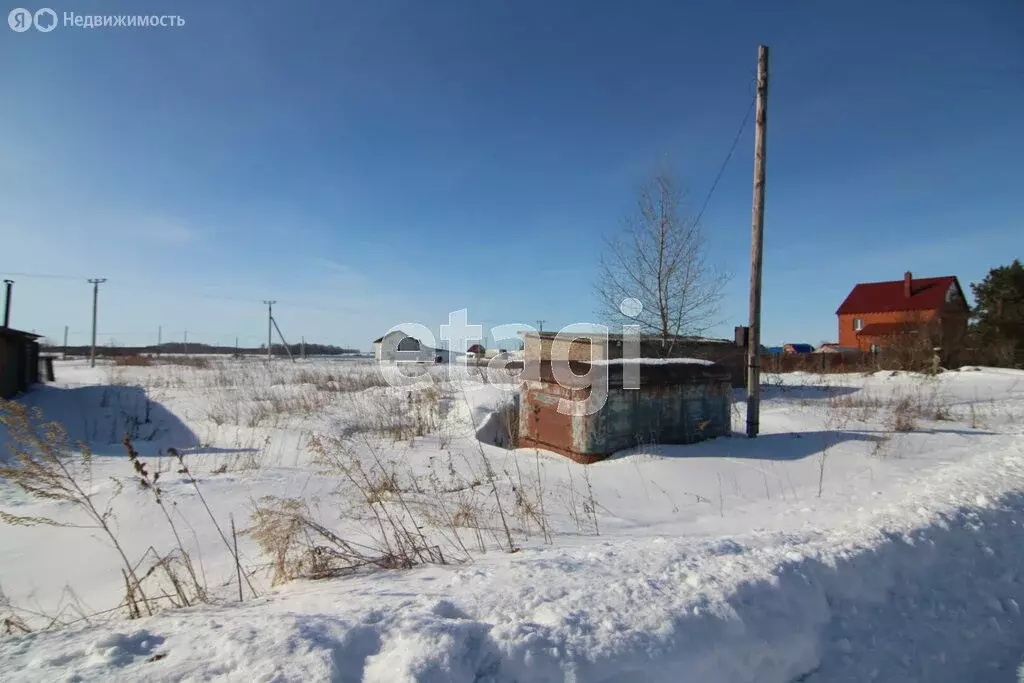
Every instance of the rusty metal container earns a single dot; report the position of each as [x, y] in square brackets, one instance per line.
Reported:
[676, 403]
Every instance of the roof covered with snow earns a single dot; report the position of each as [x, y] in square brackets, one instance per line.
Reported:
[614, 337]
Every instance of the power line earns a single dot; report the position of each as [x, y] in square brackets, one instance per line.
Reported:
[188, 296]
[732, 148]
[45, 276]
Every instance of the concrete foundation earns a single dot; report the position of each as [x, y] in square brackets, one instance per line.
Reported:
[676, 403]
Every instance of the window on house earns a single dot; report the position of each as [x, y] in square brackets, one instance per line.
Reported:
[858, 324]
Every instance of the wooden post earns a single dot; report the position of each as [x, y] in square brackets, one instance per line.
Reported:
[757, 248]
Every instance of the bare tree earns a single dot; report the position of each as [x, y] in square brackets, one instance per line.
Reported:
[660, 260]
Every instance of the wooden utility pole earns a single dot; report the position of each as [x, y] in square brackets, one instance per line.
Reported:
[8, 285]
[757, 248]
[284, 343]
[95, 282]
[270, 327]
[65, 354]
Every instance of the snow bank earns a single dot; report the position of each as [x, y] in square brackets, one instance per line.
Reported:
[719, 563]
[934, 596]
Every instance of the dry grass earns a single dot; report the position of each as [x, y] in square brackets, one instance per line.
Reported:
[904, 415]
[133, 361]
[900, 409]
[47, 467]
[397, 531]
[508, 415]
[197, 362]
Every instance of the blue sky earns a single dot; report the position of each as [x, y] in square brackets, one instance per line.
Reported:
[372, 163]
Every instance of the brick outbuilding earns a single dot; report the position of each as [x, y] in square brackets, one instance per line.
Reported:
[877, 315]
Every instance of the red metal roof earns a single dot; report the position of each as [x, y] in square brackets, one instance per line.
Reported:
[886, 329]
[927, 293]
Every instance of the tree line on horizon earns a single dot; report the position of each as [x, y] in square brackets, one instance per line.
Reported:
[191, 348]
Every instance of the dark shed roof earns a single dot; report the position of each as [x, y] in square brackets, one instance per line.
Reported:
[11, 332]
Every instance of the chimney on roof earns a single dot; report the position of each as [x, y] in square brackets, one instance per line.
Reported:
[908, 279]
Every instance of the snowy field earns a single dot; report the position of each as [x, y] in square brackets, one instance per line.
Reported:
[873, 531]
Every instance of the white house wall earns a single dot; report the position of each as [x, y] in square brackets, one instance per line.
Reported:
[387, 350]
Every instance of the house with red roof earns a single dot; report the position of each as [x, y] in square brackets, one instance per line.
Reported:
[876, 315]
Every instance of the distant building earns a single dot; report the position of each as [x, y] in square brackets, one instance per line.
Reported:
[798, 348]
[397, 346]
[836, 348]
[19, 361]
[876, 315]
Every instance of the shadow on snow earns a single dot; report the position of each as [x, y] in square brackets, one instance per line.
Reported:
[784, 446]
[101, 416]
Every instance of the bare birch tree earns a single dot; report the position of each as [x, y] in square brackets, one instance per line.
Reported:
[660, 260]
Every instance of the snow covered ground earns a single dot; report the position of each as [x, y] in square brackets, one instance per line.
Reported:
[871, 532]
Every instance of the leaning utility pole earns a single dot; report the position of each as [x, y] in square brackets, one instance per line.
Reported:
[757, 248]
[284, 342]
[95, 282]
[270, 326]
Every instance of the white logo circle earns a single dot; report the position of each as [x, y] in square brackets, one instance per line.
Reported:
[45, 26]
[19, 19]
[631, 307]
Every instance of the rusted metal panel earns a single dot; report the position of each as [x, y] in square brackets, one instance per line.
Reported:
[541, 424]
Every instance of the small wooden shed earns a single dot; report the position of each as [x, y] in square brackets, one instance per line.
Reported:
[19, 361]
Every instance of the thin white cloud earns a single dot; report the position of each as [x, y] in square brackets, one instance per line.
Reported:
[169, 231]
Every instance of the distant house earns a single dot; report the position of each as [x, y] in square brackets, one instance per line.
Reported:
[773, 350]
[398, 346]
[876, 315]
[476, 351]
[798, 348]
